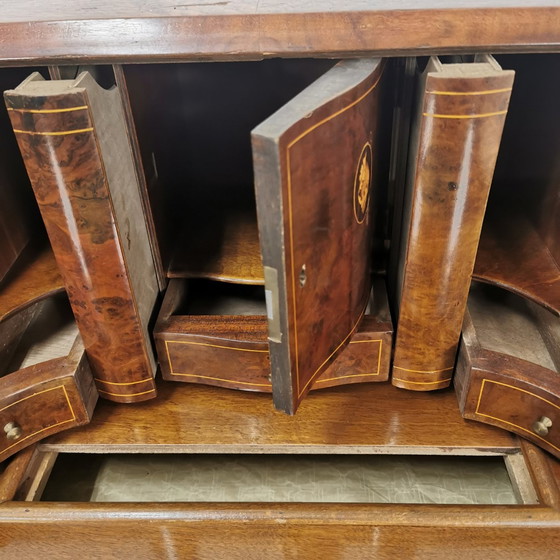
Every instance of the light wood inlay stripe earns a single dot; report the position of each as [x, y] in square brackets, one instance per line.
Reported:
[56, 133]
[65, 110]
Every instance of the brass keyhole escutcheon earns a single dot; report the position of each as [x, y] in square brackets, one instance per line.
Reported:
[541, 426]
[13, 430]
[302, 276]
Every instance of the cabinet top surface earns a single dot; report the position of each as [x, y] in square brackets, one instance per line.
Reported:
[61, 10]
[35, 32]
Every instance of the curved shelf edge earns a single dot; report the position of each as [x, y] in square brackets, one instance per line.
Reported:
[513, 256]
[33, 279]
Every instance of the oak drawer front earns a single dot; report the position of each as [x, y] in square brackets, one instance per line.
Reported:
[520, 409]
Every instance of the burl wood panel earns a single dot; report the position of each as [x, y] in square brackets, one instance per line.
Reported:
[462, 108]
[44, 399]
[58, 126]
[507, 391]
[314, 160]
[232, 351]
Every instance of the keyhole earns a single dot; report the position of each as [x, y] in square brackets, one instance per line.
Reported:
[302, 276]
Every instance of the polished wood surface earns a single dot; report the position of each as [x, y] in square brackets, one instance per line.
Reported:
[251, 531]
[389, 420]
[514, 256]
[314, 162]
[74, 142]
[545, 473]
[244, 29]
[459, 122]
[364, 418]
[45, 398]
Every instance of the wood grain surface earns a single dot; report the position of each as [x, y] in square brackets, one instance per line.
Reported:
[460, 117]
[220, 243]
[252, 531]
[75, 147]
[364, 418]
[243, 29]
[514, 256]
[36, 277]
[314, 162]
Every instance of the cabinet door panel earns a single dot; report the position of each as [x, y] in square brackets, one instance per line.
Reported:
[314, 160]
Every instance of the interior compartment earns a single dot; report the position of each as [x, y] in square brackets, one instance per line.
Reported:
[507, 324]
[19, 216]
[195, 122]
[520, 243]
[280, 478]
[208, 297]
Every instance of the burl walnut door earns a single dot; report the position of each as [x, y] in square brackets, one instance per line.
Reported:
[314, 161]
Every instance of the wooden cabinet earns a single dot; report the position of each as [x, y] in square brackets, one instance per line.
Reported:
[174, 66]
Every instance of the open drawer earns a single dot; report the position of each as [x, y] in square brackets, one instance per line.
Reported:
[48, 386]
[508, 366]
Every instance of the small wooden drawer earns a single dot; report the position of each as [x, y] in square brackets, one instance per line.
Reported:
[44, 399]
[515, 405]
[231, 350]
[507, 372]
[46, 384]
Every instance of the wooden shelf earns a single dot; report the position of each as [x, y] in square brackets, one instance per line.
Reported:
[219, 244]
[513, 256]
[35, 277]
[106, 31]
[368, 418]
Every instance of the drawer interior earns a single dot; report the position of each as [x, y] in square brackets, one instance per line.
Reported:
[280, 478]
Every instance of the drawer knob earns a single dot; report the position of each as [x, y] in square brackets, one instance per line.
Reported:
[542, 425]
[13, 430]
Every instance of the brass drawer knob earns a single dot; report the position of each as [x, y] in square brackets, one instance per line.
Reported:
[542, 425]
[13, 430]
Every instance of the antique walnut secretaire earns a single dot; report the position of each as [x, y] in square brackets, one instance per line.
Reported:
[224, 192]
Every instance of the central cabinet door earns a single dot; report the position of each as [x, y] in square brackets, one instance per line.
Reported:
[304, 230]
[313, 164]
